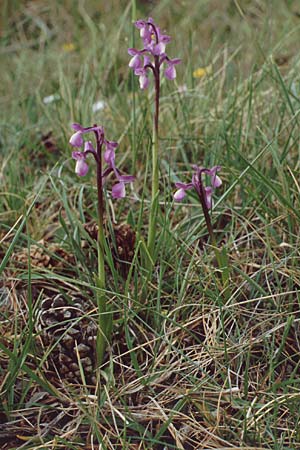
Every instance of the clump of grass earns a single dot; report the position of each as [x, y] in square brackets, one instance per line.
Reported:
[186, 368]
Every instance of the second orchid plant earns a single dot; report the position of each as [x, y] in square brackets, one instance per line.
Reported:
[104, 155]
[151, 58]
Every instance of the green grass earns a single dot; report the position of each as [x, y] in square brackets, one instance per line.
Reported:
[188, 367]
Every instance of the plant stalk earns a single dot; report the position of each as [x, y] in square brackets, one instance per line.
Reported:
[221, 256]
[101, 298]
[155, 171]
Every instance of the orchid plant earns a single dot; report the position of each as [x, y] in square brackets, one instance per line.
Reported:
[151, 58]
[205, 194]
[118, 191]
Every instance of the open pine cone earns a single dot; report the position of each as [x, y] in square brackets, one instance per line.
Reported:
[122, 245]
[44, 255]
[69, 334]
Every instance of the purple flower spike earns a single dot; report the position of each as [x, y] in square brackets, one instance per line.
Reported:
[155, 43]
[81, 168]
[205, 193]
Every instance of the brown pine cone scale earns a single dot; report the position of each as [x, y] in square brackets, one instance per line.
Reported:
[70, 334]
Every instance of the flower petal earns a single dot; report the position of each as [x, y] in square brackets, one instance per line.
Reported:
[78, 155]
[184, 186]
[132, 51]
[144, 81]
[88, 146]
[77, 127]
[126, 178]
[109, 157]
[170, 72]
[110, 145]
[76, 139]
[135, 62]
[175, 61]
[179, 194]
[159, 49]
[216, 181]
[81, 167]
[118, 190]
[208, 196]
[140, 24]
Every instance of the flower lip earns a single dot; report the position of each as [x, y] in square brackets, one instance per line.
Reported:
[118, 190]
[81, 167]
[144, 81]
[179, 195]
[109, 157]
[170, 72]
[135, 62]
[76, 139]
[208, 191]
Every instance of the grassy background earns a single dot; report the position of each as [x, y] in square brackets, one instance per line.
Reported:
[187, 369]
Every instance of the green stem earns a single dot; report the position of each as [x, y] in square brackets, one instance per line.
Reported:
[221, 256]
[101, 298]
[134, 147]
[155, 170]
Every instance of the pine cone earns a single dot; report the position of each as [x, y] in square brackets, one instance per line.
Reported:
[45, 255]
[122, 245]
[72, 333]
[124, 251]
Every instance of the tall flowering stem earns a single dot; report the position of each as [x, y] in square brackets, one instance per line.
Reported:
[118, 191]
[151, 58]
[100, 209]
[205, 193]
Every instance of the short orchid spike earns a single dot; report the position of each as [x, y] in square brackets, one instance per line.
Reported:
[80, 156]
[205, 193]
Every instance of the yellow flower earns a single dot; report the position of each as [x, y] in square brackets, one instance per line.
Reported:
[202, 71]
[68, 47]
